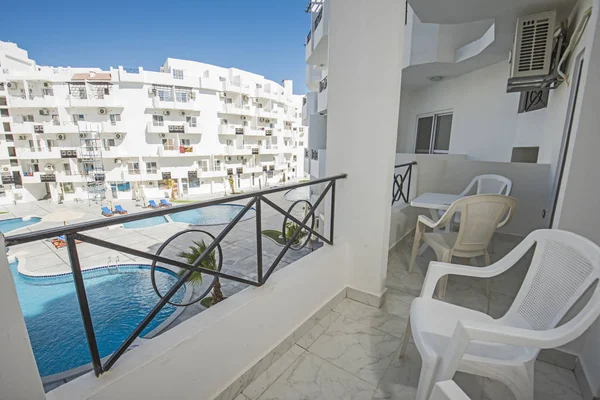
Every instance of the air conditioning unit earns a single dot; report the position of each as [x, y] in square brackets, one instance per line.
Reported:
[22, 137]
[152, 92]
[47, 84]
[223, 122]
[117, 160]
[532, 51]
[61, 136]
[82, 135]
[49, 167]
[162, 135]
[118, 136]
[193, 95]
[44, 111]
[34, 161]
[12, 85]
[182, 113]
[261, 119]
[5, 168]
[167, 112]
[267, 120]
[256, 100]
[245, 98]
[102, 111]
[228, 158]
[222, 94]
[244, 118]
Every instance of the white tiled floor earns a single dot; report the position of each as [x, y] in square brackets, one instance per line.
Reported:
[353, 352]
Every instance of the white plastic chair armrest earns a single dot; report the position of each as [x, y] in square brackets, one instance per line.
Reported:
[469, 187]
[438, 269]
[427, 221]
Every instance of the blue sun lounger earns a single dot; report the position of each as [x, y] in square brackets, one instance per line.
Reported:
[106, 212]
[153, 204]
[164, 202]
[120, 210]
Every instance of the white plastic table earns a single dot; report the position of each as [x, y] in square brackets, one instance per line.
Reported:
[435, 202]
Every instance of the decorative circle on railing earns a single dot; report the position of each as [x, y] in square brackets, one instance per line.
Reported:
[312, 225]
[214, 278]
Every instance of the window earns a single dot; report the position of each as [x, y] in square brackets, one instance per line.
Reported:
[28, 118]
[3, 101]
[67, 187]
[78, 117]
[204, 165]
[157, 120]
[67, 169]
[34, 168]
[217, 165]
[164, 93]
[182, 95]
[48, 92]
[168, 144]
[433, 134]
[185, 142]
[194, 182]
[229, 142]
[50, 144]
[4, 112]
[9, 138]
[133, 167]
[14, 163]
[178, 74]
[1, 86]
[114, 118]
[108, 143]
[6, 126]
[191, 121]
[55, 120]
[31, 145]
[151, 167]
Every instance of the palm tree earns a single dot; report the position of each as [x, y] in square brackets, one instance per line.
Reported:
[209, 262]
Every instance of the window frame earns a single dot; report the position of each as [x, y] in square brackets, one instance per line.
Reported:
[434, 115]
[133, 167]
[151, 167]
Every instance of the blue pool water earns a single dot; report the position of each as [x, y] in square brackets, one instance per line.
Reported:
[145, 223]
[212, 215]
[118, 302]
[8, 225]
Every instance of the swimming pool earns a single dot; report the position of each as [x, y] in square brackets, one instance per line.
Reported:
[119, 299]
[145, 223]
[212, 215]
[8, 225]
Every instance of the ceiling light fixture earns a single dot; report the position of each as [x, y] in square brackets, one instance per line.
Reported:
[435, 78]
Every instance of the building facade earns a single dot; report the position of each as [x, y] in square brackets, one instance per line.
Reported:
[189, 129]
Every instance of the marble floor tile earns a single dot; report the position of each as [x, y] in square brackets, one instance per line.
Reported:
[397, 303]
[466, 296]
[311, 377]
[313, 334]
[373, 317]
[260, 384]
[400, 279]
[357, 348]
[401, 379]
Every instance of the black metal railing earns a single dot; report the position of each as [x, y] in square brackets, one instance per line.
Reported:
[399, 192]
[319, 18]
[73, 233]
[323, 85]
[308, 37]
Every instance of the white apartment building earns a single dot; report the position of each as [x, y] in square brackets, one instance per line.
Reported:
[83, 133]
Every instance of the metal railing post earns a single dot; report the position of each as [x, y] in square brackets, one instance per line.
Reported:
[259, 258]
[332, 219]
[83, 305]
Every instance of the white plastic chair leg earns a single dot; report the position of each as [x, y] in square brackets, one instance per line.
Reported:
[488, 281]
[443, 282]
[418, 233]
[426, 380]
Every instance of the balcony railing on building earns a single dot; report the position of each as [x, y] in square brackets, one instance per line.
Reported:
[318, 18]
[323, 84]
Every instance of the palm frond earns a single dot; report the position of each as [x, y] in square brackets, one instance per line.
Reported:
[194, 252]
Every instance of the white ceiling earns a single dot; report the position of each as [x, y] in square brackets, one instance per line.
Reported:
[466, 21]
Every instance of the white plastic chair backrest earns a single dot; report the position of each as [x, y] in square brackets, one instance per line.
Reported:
[480, 216]
[447, 390]
[563, 268]
[489, 184]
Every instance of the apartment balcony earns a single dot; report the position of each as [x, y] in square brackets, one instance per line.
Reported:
[267, 114]
[33, 101]
[314, 75]
[113, 127]
[322, 97]
[212, 174]
[316, 51]
[173, 128]
[211, 84]
[261, 132]
[232, 130]
[41, 154]
[237, 150]
[270, 149]
[99, 101]
[235, 109]
[62, 176]
[190, 105]
[317, 162]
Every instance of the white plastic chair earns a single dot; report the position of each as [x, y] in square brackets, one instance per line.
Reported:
[452, 338]
[480, 216]
[447, 390]
[484, 184]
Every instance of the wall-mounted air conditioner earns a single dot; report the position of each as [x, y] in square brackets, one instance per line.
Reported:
[12, 85]
[167, 112]
[49, 167]
[532, 51]
[82, 135]
[61, 136]
[102, 111]
[162, 135]
[261, 120]
[44, 111]
[118, 136]
[152, 92]
[22, 137]
[182, 113]
[222, 94]
[47, 84]
[34, 161]
[244, 117]
[228, 158]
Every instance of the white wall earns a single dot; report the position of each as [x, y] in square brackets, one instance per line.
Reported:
[577, 209]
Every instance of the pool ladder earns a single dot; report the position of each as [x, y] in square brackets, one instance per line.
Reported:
[112, 269]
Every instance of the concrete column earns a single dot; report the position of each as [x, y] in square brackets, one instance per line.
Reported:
[19, 377]
[365, 67]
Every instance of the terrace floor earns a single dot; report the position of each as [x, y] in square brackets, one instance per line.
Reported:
[352, 353]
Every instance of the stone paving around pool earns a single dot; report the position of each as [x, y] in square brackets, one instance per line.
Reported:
[239, 246]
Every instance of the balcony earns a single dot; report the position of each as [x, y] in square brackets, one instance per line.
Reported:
[235, 109]
[113, 127]
[190, 105]
[317, 162]
[173, 127]
[267, 114]
[322, 97]
[99, 101]
[33, 101]
[317, 47]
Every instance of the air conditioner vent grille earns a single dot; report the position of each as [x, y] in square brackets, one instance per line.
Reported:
[533, 45]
